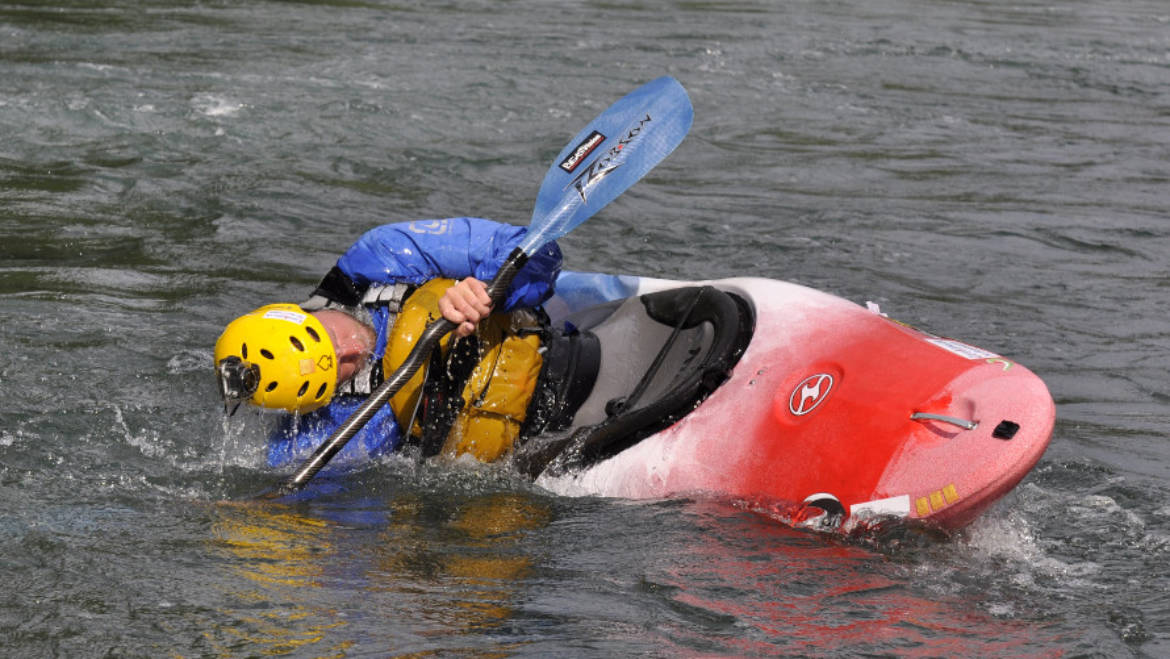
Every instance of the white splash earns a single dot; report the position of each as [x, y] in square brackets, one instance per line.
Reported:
[216, 106]
[190, 361]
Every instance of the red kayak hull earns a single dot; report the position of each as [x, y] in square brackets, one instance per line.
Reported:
[834, 402]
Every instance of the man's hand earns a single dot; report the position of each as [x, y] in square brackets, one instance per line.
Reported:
[466, 303]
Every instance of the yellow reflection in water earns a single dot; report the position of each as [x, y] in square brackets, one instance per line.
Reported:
[437, 569]
[464, 573]
[277, 552]
[274, 546]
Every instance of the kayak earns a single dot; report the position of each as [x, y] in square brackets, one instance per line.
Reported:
[785, 398]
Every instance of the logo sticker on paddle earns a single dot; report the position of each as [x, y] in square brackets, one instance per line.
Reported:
[605, 163]
[810, 393]
[579, 154]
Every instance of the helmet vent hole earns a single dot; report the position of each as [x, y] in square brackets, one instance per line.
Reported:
[303, 389]
[313, 334]
[266, 354]
[244, 350]
[296, 343]
[321, 391]
[271, 385]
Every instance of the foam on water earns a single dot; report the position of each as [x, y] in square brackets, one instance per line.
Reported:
[216, 106]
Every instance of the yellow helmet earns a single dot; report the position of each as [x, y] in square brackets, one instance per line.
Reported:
[277, 356]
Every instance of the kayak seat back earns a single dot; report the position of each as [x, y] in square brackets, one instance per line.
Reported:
[660, 355]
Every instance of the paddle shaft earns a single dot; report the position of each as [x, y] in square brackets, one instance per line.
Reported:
[427, 341]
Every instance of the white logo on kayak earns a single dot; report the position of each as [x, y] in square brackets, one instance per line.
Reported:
[811, 392]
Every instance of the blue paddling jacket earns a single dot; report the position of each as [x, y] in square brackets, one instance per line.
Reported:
[412, 253]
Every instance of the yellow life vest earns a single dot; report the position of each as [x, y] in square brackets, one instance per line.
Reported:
[495, 396]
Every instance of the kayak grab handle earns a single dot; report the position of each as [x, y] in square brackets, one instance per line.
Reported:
[955, 421]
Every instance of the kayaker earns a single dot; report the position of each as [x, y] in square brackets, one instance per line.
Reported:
[319, 359]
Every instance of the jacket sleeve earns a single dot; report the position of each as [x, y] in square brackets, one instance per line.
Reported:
[416, 252]
[295, 437]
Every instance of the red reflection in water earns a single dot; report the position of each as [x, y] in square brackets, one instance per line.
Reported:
[798, 592]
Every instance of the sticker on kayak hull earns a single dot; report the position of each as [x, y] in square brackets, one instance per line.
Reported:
[810, 393]
[962, 349]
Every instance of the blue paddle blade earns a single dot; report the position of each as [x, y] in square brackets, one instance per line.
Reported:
[608, 156]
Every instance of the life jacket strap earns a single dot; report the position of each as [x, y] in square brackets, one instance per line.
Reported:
[388, 295]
